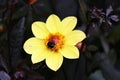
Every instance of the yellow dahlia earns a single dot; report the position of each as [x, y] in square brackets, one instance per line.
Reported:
[54, 40]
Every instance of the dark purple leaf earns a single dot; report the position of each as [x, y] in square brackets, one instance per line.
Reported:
[21, 12]
[4, 76]
[114, 18]
[41, 10]
[92, 48]
[19, 74]
[34, 76]
[109, 10]
[79, 73]
[3, 63]
[108, 69]
[104, 45]
[16, 41]
[4, 55]
[65, 8]
[25, 74]
[109, 23]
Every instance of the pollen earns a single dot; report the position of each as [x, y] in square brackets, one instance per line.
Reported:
[54, 41]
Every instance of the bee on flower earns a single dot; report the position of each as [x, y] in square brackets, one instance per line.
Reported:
[54, 40]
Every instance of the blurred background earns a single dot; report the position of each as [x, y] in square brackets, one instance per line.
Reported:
[99, 52]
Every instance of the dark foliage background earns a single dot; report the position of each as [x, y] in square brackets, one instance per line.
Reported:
[100, 54]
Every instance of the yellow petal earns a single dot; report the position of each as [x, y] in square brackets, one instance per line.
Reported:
[74, 37]
[70, 52]
[32, 45]
[53, 23]
[39, 55]
[68, 24]
[54, 61]
[39, 30]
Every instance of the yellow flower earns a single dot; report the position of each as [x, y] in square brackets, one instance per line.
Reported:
[53, 40]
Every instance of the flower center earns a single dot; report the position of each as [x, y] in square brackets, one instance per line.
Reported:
[54, 41]
[51, 45]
